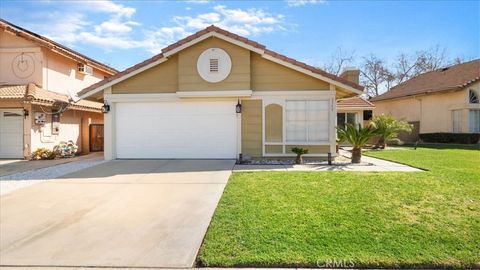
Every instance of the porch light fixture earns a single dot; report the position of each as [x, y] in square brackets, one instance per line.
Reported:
[238, 107]
[105, 107]
[25, 113]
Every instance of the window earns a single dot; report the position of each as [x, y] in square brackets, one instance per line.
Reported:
[457, 121]
[473, 97]
[346, 118]
[474, 121]
[306, 121]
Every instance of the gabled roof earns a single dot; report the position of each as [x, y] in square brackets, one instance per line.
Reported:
[31, 93]
[54, 46]
[354, 102]
[228, 36]
[452, 78]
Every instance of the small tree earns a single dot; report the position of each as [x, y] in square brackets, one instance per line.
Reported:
[300, 152]
[357, 137]
[388, 128]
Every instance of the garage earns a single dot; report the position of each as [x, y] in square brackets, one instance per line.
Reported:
[176, 130]
[11, 133]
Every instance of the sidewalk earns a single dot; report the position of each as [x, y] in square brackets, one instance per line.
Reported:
[11, 166]
[369, 164]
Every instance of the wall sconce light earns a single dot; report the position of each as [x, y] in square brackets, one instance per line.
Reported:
[25, 113]
[105, 107]
[238, 107]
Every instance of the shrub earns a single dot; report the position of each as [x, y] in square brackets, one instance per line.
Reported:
[444, 137]
[66, 149]
[300, 152]
[43, 153]
[388, 128]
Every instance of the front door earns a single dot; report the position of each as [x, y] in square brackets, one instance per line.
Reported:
[96, 137]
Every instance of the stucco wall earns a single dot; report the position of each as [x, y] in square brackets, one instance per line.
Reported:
[11, 50]
[43, 67]
[73, 126]
[162, 78]
[60, 74]
[270, 76]
[433, 111]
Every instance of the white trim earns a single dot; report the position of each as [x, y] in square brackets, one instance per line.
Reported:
[310, 73]
[228, 93]
[122, 78]
[141, 97]
[301, 93]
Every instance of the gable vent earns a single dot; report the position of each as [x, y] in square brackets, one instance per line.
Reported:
[213, 64]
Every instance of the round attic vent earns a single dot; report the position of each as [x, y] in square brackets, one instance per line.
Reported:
[214, 65]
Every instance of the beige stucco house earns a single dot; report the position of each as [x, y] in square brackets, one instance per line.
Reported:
[444, 100]
[38, 78]
[215, 94]
[355, 111]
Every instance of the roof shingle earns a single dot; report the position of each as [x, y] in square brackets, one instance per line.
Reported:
[216, 29]
[354, 102]
[453, 78]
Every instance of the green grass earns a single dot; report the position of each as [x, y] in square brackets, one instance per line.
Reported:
[390, 220]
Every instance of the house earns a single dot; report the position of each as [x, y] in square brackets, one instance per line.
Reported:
[355, 111]
[215, 94]
[38, 78]
[444, 100]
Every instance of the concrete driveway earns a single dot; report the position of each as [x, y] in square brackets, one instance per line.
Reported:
[125, 213]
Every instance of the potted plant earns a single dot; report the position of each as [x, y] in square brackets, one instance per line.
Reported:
[300, 152]
[357, 137]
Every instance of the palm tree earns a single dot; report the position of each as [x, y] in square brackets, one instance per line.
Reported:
[388, 128]
[357, 137]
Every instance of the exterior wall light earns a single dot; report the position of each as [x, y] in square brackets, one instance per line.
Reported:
[238, 107]
[25, 113]
[105, 107]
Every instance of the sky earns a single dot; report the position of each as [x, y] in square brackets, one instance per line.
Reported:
[123, 33]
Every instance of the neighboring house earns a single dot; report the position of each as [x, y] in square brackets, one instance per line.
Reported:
[38, 77]
[444, 100]
[215, 94]
[355, 111]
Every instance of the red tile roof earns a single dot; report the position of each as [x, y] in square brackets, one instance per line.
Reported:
[452, 78]
[216, 29]
[50, 44]
[354, 102]
[36, 95]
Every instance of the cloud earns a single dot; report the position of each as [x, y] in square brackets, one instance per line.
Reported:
[120, 31]
[298, 3]
[197, 1]
[107, 6]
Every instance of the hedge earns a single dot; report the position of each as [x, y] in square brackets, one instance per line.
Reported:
[443, 137]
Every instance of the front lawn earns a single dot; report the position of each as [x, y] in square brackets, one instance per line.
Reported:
[317, 219]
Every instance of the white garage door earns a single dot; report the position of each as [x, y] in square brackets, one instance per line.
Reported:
[183, 129]
[11, 133]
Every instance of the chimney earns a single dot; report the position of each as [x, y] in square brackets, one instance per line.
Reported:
[351, 74]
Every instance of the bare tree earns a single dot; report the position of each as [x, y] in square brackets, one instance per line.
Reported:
[339, 60]
[375, 75]
[430, 59]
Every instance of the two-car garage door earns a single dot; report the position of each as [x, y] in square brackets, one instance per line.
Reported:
[176, 129]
